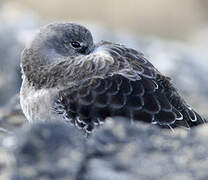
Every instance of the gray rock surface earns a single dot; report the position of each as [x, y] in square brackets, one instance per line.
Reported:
[6, 164]
[117, 151]
[46, 151]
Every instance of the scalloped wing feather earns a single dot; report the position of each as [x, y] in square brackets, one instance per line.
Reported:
[123, 83]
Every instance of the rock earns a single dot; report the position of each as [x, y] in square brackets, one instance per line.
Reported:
[120, 151]
[46, 151]
[11, 116]
[6, 162]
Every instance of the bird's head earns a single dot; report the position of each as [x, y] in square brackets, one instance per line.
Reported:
[56, 50]
[61, 40]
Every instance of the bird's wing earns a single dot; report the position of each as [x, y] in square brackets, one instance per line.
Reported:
[92, 101]
[130, 89]
[186, 116]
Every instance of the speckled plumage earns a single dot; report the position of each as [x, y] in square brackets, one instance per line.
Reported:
[96, 81]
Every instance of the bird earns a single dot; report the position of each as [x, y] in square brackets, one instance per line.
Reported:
[66, 76]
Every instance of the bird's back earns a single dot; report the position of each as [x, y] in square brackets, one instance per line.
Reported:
[153, 101]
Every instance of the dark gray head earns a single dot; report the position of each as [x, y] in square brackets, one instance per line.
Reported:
[62, 40]
[54, 43]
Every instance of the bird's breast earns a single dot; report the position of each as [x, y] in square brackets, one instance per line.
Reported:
[36, 104]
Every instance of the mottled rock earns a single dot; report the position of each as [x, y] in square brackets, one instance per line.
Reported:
[6, 162]
[117, 151]
[11, 116]
[120, 151]
[46, 151]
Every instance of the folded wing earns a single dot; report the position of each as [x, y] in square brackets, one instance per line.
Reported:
[131, 88]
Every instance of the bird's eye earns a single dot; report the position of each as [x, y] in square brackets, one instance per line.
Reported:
[75, 44]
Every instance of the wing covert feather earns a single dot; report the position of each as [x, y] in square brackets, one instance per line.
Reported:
[133, 89]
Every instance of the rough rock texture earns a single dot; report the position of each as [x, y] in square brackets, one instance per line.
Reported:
[11, 116]
[118, 151]
[47, 151]
[146, 152]
[6, 163]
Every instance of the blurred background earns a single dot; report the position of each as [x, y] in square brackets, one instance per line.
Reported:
[172, 34]
[176, 19]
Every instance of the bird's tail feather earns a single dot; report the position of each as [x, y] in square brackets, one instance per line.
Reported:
[190, 118]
